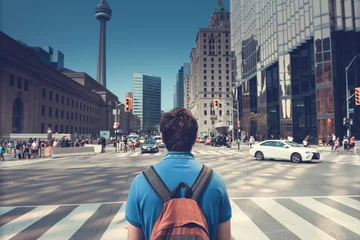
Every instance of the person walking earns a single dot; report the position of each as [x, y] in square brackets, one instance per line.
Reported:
[203, 206]
[352, 145]
[337, 146]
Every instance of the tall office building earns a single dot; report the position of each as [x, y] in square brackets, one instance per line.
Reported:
[210, 74]
[103, 14]
[183, 72]
[290, 64]
[187, 92]
[147, 100]
[175, 97]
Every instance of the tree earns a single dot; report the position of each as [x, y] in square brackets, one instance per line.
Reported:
[260, 120]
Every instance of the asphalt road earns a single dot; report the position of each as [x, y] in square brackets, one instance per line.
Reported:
[270, 199]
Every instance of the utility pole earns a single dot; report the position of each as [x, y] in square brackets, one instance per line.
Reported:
[347, 94]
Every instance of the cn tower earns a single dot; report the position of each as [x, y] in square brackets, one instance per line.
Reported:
[103, 14]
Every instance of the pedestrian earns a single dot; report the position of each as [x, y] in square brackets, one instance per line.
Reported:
[27, 151]
[2, 151]
[251, 141]
[209, 206]
[337, 146]
[352, 145]
[333, 139]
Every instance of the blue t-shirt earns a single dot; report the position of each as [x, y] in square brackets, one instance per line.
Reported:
[143, 205]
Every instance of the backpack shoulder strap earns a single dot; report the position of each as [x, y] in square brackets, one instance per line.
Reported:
[157, 184]
[201, 182]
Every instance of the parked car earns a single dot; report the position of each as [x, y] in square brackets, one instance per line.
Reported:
[159, 141]
[283, 150]
[208, 141]
[150, 146]
[142, 140]
[201, 140]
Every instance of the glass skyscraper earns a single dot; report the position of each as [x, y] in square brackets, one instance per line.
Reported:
[147, 100]
[290, 60]
[180, 88]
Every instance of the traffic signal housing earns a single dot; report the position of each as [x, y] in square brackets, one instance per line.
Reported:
[357, 96]
[128, 104]
[216, 104]
[238, 124]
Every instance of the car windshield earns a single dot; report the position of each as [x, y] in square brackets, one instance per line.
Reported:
[149, 142]
[292, 144]
[157, 138]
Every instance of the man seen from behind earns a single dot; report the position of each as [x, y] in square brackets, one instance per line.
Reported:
[179, 133]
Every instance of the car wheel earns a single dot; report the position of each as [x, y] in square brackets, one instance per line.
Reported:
[296, 158]
[142, 151]
[259, 155]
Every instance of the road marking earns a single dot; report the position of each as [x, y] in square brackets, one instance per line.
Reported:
[65, 228]
[294, 197]
[158, 154]
[291, 221]
[4, 210]
[12, 228]
[347, 201]
[117, 226]
[340, 218]
[242, 227]
[135, 154]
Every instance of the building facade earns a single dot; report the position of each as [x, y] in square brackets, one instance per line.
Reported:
[210, 74]
[34, 95]
[147, 100]
[290, 65]
[183, 72]
[187, 92]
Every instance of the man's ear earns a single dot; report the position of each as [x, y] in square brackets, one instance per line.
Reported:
[162, 139]
[196, 137]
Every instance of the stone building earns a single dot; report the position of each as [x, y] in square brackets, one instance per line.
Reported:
[34, 95]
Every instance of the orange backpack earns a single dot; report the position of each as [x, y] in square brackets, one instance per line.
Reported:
[180, 218]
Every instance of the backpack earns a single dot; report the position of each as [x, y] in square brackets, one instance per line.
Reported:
[179, 218]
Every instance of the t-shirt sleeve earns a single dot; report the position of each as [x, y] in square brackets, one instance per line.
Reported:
[132, 211]
[225, 207]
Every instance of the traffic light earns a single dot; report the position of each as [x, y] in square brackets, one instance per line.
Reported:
[216, 104]
[238, 124]
[346, 122]
[357, 96]
[128, 104]
[116, 125]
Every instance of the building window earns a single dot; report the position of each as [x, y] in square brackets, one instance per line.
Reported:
[226, 35]
[50, 95]
[227, 59]
[204, 40]
[42, 127]
[205, 83]
[72, 102]
[219, 65]
[204, 46]
[61, 128]
[205, 105]
[205, 122]
[62, 114]
[26, 85]
[219, 52]
[212, 95]
[204, 65]
[212, 65]
[71, 129]
[227, 40]
[42, 110]
[67, 115]
[212, 89]
[204, 52]
[72, 116]
[67, 129]
[77, 104]
[212, 77]
[205, 71]
[219, 41]
[56, 112]
[227, 77]
[212, 84]
[12, 80]
[56, 128]
[76, 116]
[57, 97]
[227, 95]
[205, 77]
[220, 113]
[50, 111]
[204, 34]
[219, 79]
[227, 46]
[227, 52]
[220, 95]
[227, 71]
[227, 112]
[67, 101]
[204, 59]
[80, 106]
[219, 71]
[205, 90]
[212, 71]
[19, 83]
[205, 95]
[212, 59]
[62, 99]
[205, 113]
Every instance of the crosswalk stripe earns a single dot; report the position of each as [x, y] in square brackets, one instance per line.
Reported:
[12, 228]
[242, 227]
[293, 222]
[336, 216]
[4, 210]
[348, 202]
[71, 223]
[135, 154]
[117, 227]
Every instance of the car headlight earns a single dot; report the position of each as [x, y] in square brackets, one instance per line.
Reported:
[154, 146]
[308, 152]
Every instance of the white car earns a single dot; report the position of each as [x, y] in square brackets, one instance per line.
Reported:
[283, 150]
[159, 141]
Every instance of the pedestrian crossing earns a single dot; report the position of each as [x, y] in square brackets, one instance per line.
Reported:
[322, 217]
[216, 152]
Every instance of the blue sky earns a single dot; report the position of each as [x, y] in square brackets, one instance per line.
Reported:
[153, 37]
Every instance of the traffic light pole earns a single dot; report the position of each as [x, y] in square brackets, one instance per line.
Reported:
[347, 94]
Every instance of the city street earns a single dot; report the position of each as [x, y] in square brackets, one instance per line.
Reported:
[85, 197]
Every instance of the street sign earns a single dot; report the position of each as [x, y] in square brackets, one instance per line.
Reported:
[351, 110]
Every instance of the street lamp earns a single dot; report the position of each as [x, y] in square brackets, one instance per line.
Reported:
[117, 104]
[347, 93]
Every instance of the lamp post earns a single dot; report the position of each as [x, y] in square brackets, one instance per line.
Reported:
[347, 93]
[117, 104]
